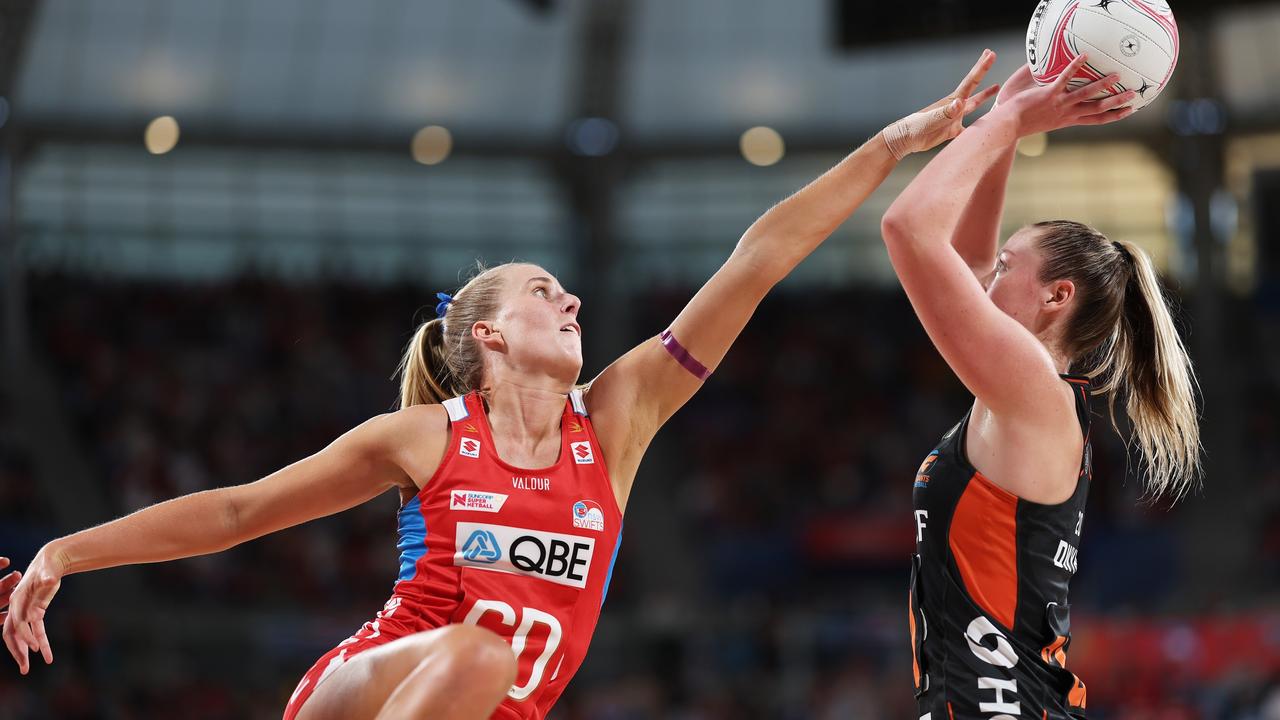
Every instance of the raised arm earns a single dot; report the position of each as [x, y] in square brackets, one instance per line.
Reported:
[635, 395]
[997, 359]
[362, 464]
[977, 234]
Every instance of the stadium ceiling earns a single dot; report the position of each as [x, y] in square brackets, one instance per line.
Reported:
[863, 23]
[369, 74]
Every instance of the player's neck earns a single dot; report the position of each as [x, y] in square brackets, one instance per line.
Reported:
[524, 413]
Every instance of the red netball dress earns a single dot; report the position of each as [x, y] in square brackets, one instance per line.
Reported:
[525, 553]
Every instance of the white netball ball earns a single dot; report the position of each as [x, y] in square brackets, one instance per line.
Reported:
[1136, 39]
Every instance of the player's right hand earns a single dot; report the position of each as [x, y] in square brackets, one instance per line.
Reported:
[24, 631]
[1044, 108]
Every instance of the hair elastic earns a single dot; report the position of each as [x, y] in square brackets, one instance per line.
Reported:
[443, 306]
[682, 356]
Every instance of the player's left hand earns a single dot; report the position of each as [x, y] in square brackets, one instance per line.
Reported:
[24, 619]
[944, 119]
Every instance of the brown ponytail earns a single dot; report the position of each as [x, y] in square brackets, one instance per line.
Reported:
[443, 360]
[1124, 337]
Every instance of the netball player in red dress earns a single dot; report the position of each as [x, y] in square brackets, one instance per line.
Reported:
[1059, 314]
[512, 479]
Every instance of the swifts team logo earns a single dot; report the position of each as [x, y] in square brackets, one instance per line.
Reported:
[589, 515]
[582, 454]
[469, 447]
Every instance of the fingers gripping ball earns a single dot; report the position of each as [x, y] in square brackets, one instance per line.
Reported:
[1135, 39]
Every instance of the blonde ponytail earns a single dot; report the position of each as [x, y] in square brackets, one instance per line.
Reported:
[1154, 372]
[1123, 336]
[443, 360]
[423, 371]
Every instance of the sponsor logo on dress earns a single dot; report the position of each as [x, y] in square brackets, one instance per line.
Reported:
[554, 557]
[588, 514]
[575, 426]
[469, 447]
[474, 500]
[481, 546]
[922, 475]
[524, 482]
[582, 452]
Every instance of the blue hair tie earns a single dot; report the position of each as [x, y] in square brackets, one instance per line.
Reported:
[443, 306]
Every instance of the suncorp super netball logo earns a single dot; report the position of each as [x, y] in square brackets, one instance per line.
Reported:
[476, 500]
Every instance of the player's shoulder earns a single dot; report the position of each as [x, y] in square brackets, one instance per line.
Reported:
[416, 436]
[410, 425]
[419, 417]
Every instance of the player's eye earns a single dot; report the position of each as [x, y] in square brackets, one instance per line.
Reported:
[540, 290]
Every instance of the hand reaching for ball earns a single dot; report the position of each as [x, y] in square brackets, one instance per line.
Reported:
[944, 119]
[1042, 108]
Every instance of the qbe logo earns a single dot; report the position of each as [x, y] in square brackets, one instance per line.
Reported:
[588, 514]
[469, 447]
[557, 558]
[481, 547]
[582, 453]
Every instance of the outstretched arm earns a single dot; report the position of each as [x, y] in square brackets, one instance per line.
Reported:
[635, 395]
[362, 464]
[997, 359]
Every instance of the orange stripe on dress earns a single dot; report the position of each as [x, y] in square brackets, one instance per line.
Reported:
[984, 543]
[1053, 651]
[1078, 695]
[911, 622]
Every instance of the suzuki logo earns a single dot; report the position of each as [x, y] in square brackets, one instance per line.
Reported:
[482, 547]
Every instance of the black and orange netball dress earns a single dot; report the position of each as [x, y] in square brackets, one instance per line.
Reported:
[989, 618]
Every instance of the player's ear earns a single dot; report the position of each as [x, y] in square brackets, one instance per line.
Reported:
[1059, 295]
[487, 334]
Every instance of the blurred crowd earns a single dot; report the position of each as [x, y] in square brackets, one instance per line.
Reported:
[793, 492]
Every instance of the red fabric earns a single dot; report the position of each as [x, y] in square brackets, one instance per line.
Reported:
[469, 572]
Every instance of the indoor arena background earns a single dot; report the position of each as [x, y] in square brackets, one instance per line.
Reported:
[221, 220]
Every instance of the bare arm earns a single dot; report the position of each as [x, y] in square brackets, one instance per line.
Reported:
[977, 236]
[639, 392]
[997, 359]
[362, 464]
[358, 466]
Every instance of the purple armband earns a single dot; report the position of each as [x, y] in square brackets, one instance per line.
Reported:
[682, 356]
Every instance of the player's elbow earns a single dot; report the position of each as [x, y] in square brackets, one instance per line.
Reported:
[894, 227]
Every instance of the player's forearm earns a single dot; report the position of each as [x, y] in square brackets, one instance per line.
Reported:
[795, 227]
[929, 210]
[977, 236]
[195, 524]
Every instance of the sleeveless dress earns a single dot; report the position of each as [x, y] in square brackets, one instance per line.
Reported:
[989, 619]
[525, 553]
